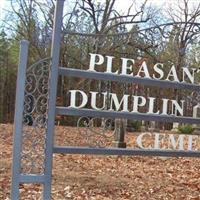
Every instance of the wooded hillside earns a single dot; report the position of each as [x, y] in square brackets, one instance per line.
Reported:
[143, 32]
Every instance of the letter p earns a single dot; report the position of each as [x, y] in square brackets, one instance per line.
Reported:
[93, 62]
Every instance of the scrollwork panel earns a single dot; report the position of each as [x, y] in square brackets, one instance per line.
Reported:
[35, 118]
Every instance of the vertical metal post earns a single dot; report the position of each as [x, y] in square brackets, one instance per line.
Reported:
[55, 53]
[18, 120]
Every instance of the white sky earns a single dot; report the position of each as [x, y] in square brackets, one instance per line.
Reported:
[121, 5]
[125, 4]
[2, 6]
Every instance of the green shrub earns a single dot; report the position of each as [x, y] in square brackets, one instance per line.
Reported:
[186, 129]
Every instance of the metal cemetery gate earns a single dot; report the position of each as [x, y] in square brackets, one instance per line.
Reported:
[36, 110]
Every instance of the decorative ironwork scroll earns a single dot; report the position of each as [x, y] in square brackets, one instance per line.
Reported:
[35, 118]
[97, 132]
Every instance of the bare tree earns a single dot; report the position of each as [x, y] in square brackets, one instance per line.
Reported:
[187, 27]
[102, 26]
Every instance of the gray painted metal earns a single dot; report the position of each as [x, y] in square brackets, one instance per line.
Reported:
[32, 178]
[125, 78]
[124, 115]
[18, 120]
[126, 152]
[55, 53]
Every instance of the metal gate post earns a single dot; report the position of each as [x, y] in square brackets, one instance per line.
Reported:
[55, 53]
[18, 120]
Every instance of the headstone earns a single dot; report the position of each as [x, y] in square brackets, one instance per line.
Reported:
[143, 128]
[175, 126]
[119, 133]
[153, 127]
[196, 114]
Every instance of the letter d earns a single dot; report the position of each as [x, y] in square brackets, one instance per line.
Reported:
[73, 99]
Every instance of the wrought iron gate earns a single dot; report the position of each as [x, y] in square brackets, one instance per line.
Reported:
[36, 106]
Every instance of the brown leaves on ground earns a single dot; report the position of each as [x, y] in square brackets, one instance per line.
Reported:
[83, 177]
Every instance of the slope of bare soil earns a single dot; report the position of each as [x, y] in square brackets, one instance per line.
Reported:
[106, 177]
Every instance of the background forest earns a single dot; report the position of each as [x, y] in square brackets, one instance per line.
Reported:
[169, 35]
